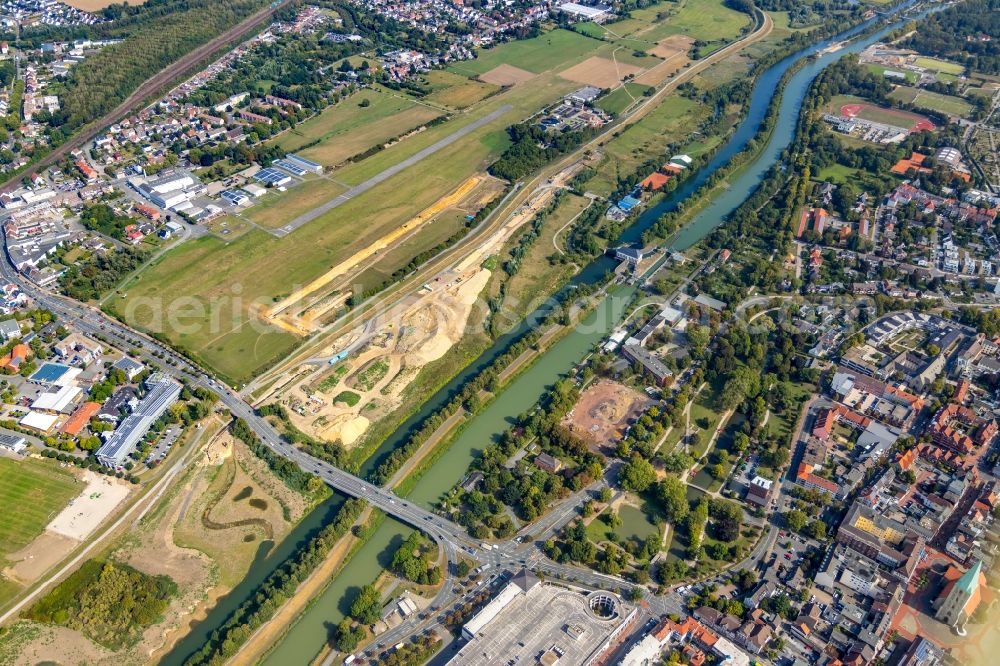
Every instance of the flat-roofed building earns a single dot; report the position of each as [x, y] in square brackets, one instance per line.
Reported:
[531, 622]
[163, 391]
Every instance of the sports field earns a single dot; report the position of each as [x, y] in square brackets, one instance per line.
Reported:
[349, 128]
[856, 107]
[33, 492]
[911, 77]
[946, 104]
[939, 65]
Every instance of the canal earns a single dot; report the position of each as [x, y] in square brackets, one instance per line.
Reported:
[306, 637]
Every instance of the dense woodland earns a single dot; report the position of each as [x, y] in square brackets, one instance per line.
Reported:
[90, 278]
[161, 37]
[526, 154]
[967, 32]
[108, 602]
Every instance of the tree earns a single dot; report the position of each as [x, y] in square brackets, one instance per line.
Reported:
[728, 518]
[637, 474]
[604, 494]
[795, 520]
[817, 530]
[672, 494]
[367, 606]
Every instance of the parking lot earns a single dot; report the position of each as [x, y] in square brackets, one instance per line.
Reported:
[163, 446]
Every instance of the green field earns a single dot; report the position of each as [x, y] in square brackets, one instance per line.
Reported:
[708, 21]
[348, 128]
[275, 208]
[837, 173]
[946, 104]
[34, 492]
[537, 55]
[911, 77]
[939, 65]
[456, 91]
[622, 97]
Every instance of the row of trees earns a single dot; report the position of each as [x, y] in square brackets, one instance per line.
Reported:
[276, 589]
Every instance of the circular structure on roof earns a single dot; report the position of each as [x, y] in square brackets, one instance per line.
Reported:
[604, 606]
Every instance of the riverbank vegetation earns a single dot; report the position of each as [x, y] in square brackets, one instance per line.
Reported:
[278, 587]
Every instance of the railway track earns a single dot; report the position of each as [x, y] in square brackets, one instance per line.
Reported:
[152, 86]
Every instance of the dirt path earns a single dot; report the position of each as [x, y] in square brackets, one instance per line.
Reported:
[270, 633]
[140, 506]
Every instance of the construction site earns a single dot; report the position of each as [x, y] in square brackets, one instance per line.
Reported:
[360, 376]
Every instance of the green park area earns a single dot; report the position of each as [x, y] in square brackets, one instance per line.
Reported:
[629, 524]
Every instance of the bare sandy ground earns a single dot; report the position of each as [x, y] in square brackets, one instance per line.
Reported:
[29, 563]
[421, 336]
[71, 526]
[98, 500]
[506, 75]
[600, 72]
[603, 411]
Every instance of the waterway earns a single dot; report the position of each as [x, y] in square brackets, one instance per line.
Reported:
[306, 637]
[267, 560]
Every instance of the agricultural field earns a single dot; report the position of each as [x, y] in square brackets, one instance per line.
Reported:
[349, 128]
[39, 490]
[946, 104]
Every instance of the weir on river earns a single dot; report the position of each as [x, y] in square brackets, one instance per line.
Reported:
[305, 638]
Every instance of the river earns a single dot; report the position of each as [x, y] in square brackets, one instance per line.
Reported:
[305, 638]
